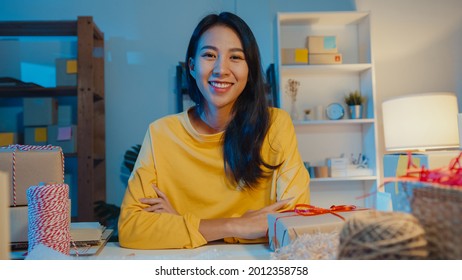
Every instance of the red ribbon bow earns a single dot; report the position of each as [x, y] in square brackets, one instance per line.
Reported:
[310, 210]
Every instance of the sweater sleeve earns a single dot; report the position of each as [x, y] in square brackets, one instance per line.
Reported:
[139, 229]
[292, 179]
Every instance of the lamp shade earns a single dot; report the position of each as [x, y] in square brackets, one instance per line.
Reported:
[421, 122]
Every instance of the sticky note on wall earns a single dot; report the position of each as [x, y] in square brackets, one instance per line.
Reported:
[7, 138]
[71, 66]
[40, 134]
[64, 133]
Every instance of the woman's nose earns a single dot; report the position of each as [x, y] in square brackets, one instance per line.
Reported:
[221, 67]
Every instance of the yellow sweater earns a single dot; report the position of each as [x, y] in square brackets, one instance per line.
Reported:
[188, 167]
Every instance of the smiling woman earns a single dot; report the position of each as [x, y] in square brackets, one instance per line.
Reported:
[217, 169]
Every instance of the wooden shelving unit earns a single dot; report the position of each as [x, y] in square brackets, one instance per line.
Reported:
[89, 93]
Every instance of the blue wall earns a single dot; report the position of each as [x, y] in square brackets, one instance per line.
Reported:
[144, 40]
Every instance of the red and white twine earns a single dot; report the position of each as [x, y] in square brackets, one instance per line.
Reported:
[17, 147]
[49, 217]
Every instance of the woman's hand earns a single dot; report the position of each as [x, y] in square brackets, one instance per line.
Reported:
[161, 204]
[254, 223]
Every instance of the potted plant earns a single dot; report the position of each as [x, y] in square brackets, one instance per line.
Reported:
[355, 101]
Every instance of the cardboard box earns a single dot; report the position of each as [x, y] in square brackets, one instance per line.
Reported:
[395, 165]
[40, 111]
[35, 135]
[19, 220]
[64, 136]
[337, 167]
[64, 115]
[322, 44]
[294, 56]
[32, 167]
[283, 228]
[327, 58]
[4, 217]
[66, 72]
[8, 138]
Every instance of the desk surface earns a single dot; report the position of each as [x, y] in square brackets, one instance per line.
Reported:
[215, 251]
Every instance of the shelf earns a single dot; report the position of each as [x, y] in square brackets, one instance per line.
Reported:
[335, 122]
[324, 69]
[89, 96]
[342, 179]
[44, 28]
[321, 85]
[322, 18]
[37, 92]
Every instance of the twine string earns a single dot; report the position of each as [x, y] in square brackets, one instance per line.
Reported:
[48, 210]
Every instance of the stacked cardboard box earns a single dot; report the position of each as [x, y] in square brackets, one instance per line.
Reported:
[47, 123]
[323, 50]
[31, 168]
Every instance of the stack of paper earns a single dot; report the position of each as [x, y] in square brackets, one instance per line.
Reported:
[86, 232]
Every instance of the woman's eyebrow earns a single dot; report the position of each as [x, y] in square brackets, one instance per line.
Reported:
[216, 49]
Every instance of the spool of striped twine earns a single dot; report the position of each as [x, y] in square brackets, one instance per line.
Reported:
[49, 217]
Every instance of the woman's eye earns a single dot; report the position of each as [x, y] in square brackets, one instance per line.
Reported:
[208, 55]
[237, 57]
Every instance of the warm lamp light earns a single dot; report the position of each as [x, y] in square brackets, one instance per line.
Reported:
[421, 122]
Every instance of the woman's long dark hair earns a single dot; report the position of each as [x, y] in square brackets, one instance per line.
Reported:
[245, 133]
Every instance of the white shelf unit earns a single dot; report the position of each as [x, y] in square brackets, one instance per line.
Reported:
[321, 85]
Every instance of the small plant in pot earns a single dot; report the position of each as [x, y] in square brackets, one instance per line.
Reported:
[355, 102]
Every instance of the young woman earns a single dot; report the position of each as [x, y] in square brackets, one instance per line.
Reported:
[216, 170]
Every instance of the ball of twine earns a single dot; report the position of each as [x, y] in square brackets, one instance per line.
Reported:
[374, 235]
[49, 217]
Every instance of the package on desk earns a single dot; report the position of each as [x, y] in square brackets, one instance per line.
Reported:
[284, 228]
[32, 165]
[294, 56]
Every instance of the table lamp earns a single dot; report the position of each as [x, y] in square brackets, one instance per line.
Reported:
[421, 122]
[416, 123]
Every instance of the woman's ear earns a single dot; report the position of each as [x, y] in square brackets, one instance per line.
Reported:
[191, 67]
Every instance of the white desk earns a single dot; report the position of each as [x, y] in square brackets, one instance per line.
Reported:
[213, 251]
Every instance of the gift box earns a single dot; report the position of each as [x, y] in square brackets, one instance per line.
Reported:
[284, 228]
[33, 165]
[395, 165]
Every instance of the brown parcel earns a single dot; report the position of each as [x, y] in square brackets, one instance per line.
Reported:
[32, 168]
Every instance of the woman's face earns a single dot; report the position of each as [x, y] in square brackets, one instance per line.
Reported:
[219, 67]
